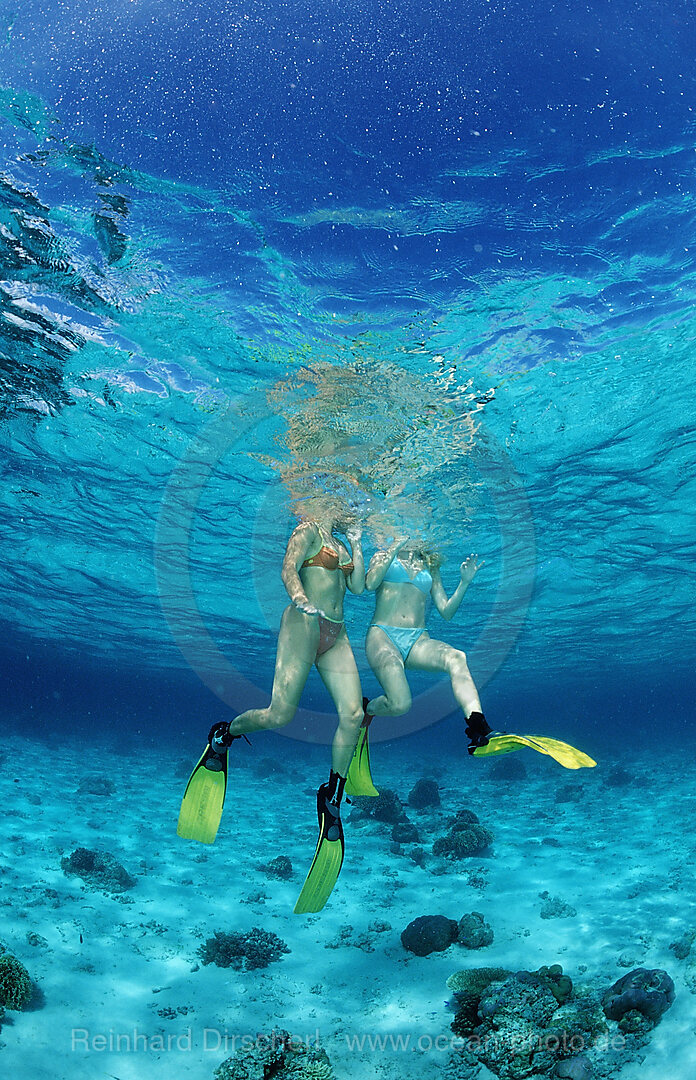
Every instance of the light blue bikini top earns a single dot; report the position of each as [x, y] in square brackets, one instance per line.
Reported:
[398, 575]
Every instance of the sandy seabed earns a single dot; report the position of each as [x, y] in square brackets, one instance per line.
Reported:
[123, 992]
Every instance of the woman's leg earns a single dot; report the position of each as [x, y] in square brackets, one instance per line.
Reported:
[297, 648]
[339, 672]
[387, 663]
[437, 656]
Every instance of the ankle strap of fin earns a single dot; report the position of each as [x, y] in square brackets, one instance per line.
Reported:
[335, 786]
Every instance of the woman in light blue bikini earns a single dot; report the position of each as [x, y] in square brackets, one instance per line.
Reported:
[403, 578]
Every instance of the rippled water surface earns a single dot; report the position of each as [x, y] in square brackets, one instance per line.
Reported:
[441, 268]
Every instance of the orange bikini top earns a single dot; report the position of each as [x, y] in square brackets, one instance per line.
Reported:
[328, 560]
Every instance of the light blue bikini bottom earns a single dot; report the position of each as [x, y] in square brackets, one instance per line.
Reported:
[404, 637]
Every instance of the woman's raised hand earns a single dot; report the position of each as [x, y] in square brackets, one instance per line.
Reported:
[470, 567]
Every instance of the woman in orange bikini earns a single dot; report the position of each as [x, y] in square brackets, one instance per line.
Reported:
[317, 569]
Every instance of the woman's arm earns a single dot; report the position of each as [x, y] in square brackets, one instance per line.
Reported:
[356, 580]
[302, 539]
[448, 607]
[380, 563]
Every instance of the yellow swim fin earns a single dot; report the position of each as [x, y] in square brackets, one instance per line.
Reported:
[359, 779]
[328, 857]
[567, 756]
[201, 806]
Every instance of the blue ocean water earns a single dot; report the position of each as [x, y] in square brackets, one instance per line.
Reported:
[436, 260]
